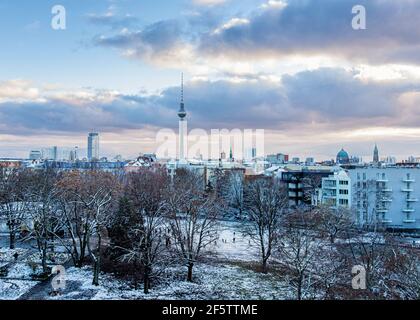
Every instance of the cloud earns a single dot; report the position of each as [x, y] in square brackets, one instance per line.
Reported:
[112, 20]
[162, 40]
[209, 2]
[327, 98]
[17, 90]
[308, 27]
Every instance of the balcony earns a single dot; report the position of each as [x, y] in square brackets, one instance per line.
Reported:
[386, 200]
[382, 180]
[387, 190]
[408, 180]
[408, 210]
[409, 220]
[412, 200]
[387, 221]
[407, 190]
[381, 210]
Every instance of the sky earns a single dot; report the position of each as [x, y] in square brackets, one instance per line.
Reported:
[295, 68]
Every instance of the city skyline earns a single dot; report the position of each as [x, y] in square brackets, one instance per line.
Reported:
[117, 64]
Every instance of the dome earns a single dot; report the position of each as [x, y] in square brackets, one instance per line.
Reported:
[343, 157]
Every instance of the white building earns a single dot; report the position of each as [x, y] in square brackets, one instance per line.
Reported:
[388, 196]
[336, 190]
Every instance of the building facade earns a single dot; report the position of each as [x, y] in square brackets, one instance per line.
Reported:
[93, 146]
[336, 190]
[385, 196]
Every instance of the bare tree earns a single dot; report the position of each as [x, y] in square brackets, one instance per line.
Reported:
[192, 215]
[266, 203]
[236, 191]
[74, 215]
[12, 206]
[369, 251]
[299, 251]
[102, 189]
[310, 185]
[40, 195]
[146, 191]
[402, 273]
[334, 222]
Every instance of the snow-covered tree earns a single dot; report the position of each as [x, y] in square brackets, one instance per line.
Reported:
[40, 195]
[299, 250]
[12, 204]
[266, 203]
[192, 215]
[146, 192]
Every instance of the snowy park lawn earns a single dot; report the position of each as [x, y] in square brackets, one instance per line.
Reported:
[7, 255]
[211, 282]
[13, 289]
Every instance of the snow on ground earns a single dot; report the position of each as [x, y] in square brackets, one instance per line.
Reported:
[225, 282]
[13, 289]
[7, 255]
[232, 244]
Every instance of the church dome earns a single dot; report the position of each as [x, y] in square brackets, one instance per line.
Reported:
[343, 157]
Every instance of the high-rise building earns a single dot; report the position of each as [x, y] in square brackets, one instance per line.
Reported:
[182, 114]
[93, 146]
[376, 154]
[54, 153]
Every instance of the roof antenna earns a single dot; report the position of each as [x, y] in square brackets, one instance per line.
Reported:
[182, 87]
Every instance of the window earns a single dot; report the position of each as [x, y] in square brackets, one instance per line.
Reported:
[358, 176]
[364, 175]
[343, 202]
[344, 191]
[344, 182]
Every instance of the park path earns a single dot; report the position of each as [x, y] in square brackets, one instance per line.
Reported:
[73, 290]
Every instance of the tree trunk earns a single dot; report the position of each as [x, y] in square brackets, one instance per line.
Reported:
[146, 280]
[96, 271]
[190, 271]
[264, 266]
[299, 287]
[97, 265]
[44, 258]
[12, 239]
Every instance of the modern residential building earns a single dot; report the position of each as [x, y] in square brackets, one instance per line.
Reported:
[302, 181]
[337, 190]
[93, 146]
[387, 196]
